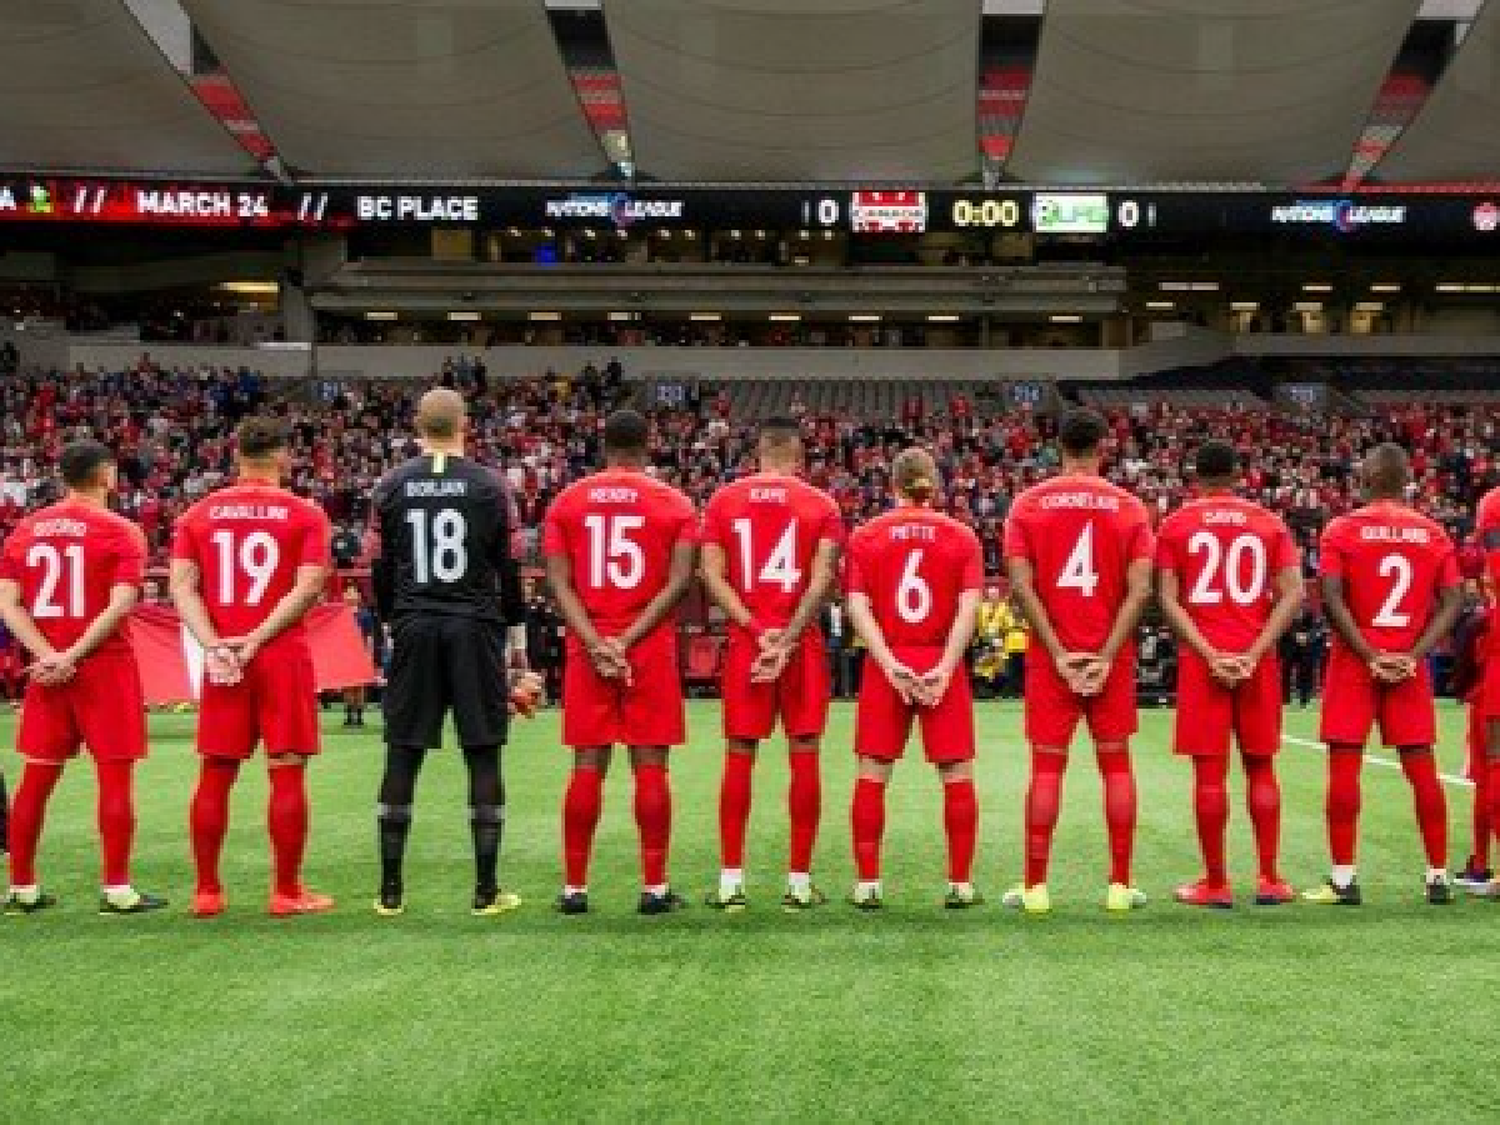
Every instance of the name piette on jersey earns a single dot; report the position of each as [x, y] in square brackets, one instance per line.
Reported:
[429, 489]
[1378, 533]
[248, 512]
[906, 532]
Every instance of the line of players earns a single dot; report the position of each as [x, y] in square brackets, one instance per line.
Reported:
[622, 549]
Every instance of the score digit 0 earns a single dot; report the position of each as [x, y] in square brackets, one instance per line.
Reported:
[828, 211]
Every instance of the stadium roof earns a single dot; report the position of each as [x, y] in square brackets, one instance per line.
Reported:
[1274, 92]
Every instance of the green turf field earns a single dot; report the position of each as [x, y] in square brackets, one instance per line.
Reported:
[1170, 1014]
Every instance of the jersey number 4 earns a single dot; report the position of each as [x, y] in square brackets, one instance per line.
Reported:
[781, 568]
[1079, 572]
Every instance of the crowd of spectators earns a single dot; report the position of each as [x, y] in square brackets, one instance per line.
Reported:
[172, 430]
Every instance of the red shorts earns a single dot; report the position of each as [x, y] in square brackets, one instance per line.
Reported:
[276, 704]
[102, 707]
[1053, 710]
[799, 697]
[883, 720]
[1210, 716]
[1487, 695]
[650, 712]
[1353, 702]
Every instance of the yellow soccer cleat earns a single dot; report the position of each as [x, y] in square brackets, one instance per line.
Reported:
[1331, 894]
[1120, 899]
[1028, 900]
[500, 902]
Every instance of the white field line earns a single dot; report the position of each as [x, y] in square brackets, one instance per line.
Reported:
[1376, 759]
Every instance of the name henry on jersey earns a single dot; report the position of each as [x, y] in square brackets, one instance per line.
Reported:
[1389, 534]
[614, 495]
[427, 489]
[248, 512]
[1091, 501]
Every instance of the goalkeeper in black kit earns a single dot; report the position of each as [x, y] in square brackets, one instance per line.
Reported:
[447, 583]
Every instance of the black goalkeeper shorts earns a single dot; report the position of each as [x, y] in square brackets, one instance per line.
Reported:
[440, 663]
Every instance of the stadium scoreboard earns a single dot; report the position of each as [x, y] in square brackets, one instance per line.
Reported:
[874, 211]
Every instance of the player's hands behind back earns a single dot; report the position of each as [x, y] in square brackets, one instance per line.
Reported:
[1392, 667]
[773, 657]
[223, 665]
[52, 670]
[610, 660]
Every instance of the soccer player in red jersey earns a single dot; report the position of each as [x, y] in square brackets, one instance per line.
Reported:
[770, 555]
[1391, 592]
[621, 548]
[69, 576]
[915, 577]
[1230, 584]
[248, 562]
[1471, 642]
[1079, 551]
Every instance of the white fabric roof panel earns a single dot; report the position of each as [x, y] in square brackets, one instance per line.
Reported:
[1150, 91]
[405, 88]
[83, 87]
[836, 90]
[1454, 137]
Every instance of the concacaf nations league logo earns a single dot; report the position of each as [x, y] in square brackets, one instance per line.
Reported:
[1486, 217]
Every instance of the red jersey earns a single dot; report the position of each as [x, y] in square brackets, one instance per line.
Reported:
[617, 529]
[1080, 535]
[913, 564]
[1226, 553]
[1394, 561]
[248, 542]
[66, 559]
[1487, 534]
[769, 528]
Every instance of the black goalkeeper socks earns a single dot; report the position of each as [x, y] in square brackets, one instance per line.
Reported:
[486, 823]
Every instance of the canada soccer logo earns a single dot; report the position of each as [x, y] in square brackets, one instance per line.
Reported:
[1486, 217]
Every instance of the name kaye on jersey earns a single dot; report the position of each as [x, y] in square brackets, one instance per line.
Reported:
[768, 496]
[424, 489]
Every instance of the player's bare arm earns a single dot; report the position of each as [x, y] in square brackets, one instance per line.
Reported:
[1168, 596]
[560, 577]
[1336, 606]
[902, 678]
[1450, 603]
[1122, 632]
[679, 578]
[713, 568]
[1289, 593]
[186, 582]
[934, 684]
[1023, 581]
[305, 593]
[19, 621]
[777, 644]
[122, 599]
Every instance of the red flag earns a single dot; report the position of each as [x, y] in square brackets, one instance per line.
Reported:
[171, 660]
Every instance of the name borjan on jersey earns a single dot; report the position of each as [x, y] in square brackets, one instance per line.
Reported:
[445, 486]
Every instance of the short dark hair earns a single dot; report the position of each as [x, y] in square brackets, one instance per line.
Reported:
[1216, 460]
[258, 437]
[1081, 432]
[780, 428]
[81, 461]
[626, 431]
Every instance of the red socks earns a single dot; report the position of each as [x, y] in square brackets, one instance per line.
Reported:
[1119, 811]
[287, 820]
[116, 818]
[27, 812]
[1493, 770]
[1420, 768]
[208, 818]
[734, 807]
[1263, 797]
[653, 818]
[581, 808]
[961, 823]
[1342, 804]
[804, 802]
[1043, 798]
[1482, 819]
[1211, 812]
[867, 817]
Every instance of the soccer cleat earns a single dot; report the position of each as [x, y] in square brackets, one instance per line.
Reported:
[303, 902]
[1278, 893]
[1329, 894]
[1474, 879]
[16, 904]
[390, 903]
[870, 900]
[794, 901]
[962, 898]
[136, 902]
[575, 903]
[667, 903]
[487, 904]
[1028, 900]
[1121, 899]
[209, 904]
[1204, 893]
[732, 903]
[1439, 891]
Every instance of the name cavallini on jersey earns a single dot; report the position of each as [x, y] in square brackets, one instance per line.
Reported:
[425, 489]
[248, 512]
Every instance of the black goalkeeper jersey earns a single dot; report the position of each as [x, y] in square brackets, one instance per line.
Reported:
[443, 528]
